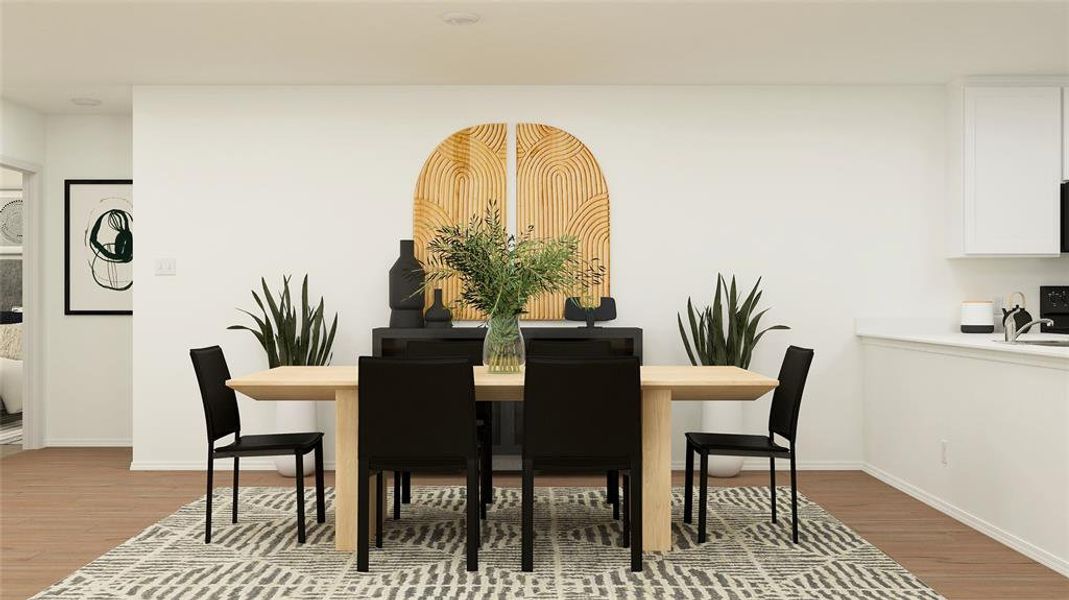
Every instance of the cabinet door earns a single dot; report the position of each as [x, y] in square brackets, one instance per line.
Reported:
[1065, 134]
[1012, 168]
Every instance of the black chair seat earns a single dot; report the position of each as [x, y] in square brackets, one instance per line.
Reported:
[270, 444]
[736, 444]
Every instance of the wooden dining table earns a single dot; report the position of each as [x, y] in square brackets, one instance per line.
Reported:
[661, 385]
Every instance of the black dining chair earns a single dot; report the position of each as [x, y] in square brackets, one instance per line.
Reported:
[561, 399]
[473, 351]
[580, 349]
[782, 421]
[223, 418]
[416, 415]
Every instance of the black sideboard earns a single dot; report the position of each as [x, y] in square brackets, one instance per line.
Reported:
[507, 416]
[391, 341]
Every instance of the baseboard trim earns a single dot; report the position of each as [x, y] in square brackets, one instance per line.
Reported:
[761, 464]
[994, 532]
[266, 464]
[88, 443]
[222, 464]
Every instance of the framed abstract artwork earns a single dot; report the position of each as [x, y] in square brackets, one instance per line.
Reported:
[10, 221]
[99, 247]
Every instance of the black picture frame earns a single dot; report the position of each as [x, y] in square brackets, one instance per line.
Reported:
[67, 183]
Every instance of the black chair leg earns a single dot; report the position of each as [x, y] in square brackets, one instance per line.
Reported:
[362, 514]
[772, 484]
[208, 503]
[406, 487]
[688, 485]
[474, 505]
[483, 465]
[321, 500]
[636, 516]
[396, 495]
[703, 489]
[299, 476]
[487, 468]
[234, 507]
[627, 509]
[794, 500]
[612, 492]
[527, 525]
[378, 509]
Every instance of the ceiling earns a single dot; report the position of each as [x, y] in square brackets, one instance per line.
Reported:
[55, 50]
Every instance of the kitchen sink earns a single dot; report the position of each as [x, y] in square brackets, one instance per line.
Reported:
[1056, 343]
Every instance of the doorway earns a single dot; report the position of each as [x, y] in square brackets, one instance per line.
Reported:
[12, 358]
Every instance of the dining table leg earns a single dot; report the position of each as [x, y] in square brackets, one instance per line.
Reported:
[346, 407]
[656, 470]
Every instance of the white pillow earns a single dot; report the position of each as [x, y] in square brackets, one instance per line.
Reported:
[11, 341]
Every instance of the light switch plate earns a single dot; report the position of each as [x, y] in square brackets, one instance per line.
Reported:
[166, 267]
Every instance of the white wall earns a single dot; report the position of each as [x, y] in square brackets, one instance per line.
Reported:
[834, 194]
[1004, 418]
[22, 133]
[87, 359]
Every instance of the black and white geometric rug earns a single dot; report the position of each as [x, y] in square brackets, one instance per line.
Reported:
[577, 554]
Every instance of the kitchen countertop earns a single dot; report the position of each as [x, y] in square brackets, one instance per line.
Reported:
[928, 333]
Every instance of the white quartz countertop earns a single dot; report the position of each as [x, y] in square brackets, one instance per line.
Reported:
[925, 334]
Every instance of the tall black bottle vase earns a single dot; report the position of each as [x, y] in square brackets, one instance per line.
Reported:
[406, 283]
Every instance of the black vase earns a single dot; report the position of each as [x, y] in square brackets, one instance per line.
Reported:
[438, 316]
[406, 283]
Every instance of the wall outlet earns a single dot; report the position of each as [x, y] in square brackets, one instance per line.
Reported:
[166, 267]
[944, 453]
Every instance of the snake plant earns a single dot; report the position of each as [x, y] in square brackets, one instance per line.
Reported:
[725, 335]
[287, 340]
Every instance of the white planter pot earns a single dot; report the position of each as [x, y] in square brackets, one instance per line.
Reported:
[723, 416]
[291, 417]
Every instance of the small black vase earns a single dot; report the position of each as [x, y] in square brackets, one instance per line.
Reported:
[438, 316]
[406, 282]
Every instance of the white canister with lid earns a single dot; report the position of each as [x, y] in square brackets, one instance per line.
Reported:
[977, 316]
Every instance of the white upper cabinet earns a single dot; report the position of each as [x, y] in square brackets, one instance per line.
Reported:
[1065, 134]
[1011, 170]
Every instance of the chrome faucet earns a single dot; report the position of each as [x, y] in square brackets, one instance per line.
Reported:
[1012, 330]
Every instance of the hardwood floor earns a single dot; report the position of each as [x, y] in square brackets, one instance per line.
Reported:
[62, 507]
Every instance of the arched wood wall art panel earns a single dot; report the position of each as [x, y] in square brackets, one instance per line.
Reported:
[459, 180]
[560, 190]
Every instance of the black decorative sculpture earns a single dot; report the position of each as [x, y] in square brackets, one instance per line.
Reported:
[605, 311]
[406, 288]
[438, 316]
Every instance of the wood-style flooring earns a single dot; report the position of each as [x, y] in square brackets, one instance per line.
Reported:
[62, 507]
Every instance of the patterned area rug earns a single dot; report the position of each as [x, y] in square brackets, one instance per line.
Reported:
[577, 554]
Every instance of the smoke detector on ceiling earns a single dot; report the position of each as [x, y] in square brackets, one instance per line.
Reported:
[459, 18]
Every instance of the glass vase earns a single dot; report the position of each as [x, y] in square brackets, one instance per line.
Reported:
[503, 346]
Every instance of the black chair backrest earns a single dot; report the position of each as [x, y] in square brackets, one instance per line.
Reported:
[783, 418]
[569, 348]
[582, 408]
[417, 408]
[220, 403]
[470, 349]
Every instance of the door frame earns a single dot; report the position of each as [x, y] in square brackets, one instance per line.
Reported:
[33, 316]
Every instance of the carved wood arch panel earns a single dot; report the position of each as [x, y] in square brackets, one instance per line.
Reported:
[560, 190]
